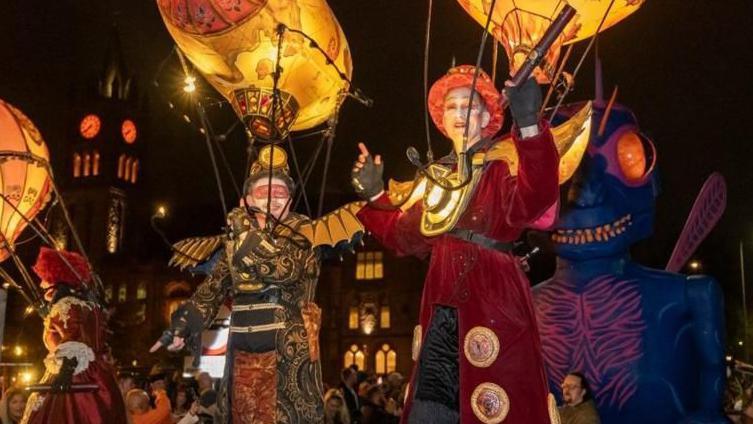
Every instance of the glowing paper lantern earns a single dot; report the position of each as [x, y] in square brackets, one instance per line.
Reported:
[234, 44]
[519, 24]
[24, 177]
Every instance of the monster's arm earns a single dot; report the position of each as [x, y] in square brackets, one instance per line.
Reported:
[706, 306]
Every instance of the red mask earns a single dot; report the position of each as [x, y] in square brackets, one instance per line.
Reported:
[278, 192]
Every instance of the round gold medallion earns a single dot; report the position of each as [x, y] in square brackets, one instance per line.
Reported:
[554, 413]
[481, 346]
[490, 403]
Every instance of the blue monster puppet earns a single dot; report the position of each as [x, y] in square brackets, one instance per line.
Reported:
[649, 342]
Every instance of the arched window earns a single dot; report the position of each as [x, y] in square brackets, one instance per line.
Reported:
[384, 316]
[121, 166]
[355, 356]
[76, 165]
[353, 318]
[127, 171]
[134, 171]
[122, 292]
[108, 293]
[95, 165]
[385, 360]
[141, 290]
[87, 164]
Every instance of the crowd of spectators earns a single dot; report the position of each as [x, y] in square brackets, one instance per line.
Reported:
[363, 398]
[169, 398]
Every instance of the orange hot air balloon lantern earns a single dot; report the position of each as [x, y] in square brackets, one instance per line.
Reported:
[234, 44]
[24, 174]
[519, 24]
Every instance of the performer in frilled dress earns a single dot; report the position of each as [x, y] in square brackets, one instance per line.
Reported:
[75, 336]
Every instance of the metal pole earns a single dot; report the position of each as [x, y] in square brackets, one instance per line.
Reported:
[745, 309]
[3, 306]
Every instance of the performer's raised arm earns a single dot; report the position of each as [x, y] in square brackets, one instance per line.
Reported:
[536, 185]
[393, 228]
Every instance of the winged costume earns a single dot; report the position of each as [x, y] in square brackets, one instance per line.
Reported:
[273, 373]
[477, 347]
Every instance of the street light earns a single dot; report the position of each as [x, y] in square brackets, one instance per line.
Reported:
[161, 211]
[190, 82]
[695, 265]
[18, 350]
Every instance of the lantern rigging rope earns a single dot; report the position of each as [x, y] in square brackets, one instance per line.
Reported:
[427, 41]
[582, 58]
[467, 176]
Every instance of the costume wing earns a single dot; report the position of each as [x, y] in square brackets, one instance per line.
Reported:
[571, 138]
[192, 251]
[335, 227]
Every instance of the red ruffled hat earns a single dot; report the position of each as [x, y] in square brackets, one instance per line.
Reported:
[462, 76]
[51, 268]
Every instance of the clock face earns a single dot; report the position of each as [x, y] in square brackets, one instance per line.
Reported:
[90, 126]
[128, 130]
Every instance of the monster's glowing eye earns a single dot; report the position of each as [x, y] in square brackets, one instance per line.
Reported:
[632, 156]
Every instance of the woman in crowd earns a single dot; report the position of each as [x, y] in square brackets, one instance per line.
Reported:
[12, 406]
[335, 411]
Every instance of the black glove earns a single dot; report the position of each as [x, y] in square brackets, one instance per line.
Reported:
[367, 181]
[525, 103]
[64, 378]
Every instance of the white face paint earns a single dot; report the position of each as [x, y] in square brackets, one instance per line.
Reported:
[258, 197]
[456, 104]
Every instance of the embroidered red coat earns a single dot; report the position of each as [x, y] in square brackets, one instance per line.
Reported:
[76, 328]
[501, 368]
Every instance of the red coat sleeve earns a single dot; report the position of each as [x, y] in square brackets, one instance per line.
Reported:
[536, 189]
[396, 230]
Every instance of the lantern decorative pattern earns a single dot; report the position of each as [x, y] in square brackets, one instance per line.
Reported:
[234, 44]
[519, 25]
[25, 182]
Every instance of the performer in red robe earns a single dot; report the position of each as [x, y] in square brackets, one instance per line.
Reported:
[479, 359]
[74, 334]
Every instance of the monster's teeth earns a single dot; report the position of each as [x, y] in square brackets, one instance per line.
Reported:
[589, 236]
[612, 233]
[598, 236]
[599, 229]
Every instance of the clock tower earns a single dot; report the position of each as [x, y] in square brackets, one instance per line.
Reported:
[104, 166]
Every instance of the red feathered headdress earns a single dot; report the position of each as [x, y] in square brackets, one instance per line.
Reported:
[462, 76]
[53, 270]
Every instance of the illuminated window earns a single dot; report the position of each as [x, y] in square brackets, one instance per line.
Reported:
[355, 356]
[122, 293]
[115, 224]
[127, 169]
[76, 165]
[108, 293]
[385, 360]
[87, 164]
[353, 318]
[121, 166]
[369, 266]
[95, 165]
[141, 290]
[134, 170]
[384, 316]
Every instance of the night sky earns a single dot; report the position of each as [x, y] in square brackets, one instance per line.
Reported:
[685, 67]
